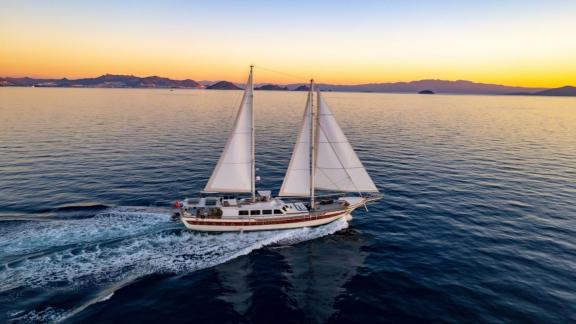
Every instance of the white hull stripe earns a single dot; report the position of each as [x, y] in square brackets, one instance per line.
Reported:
[256, 222]
[277, 226]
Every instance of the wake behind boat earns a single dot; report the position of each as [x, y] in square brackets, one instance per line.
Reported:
[322, 159]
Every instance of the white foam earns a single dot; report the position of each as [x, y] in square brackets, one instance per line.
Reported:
[139, 250]
[114, 223]
[107, 297]
[47, 315]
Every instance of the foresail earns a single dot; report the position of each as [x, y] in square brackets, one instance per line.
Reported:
[297, 179]
[338, 168]
[233, 173]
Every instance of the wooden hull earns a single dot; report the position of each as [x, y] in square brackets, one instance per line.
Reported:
[264, 224]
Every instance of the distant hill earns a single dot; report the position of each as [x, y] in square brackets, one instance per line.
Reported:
[437, 86]
[302, 88]
[23, 82]
[271, 87]
[104, 81]
[206, 82]
[426, 92]
[566, 91]
[223, 85]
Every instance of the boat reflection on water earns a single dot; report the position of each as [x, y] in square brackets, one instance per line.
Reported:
[309, 276]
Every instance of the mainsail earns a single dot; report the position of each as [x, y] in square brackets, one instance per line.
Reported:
[337, 167]
[235, 169]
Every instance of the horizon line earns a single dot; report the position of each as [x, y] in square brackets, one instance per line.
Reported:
[275, 83]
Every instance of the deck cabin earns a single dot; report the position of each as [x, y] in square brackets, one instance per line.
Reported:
[239, 208]
[233, 207]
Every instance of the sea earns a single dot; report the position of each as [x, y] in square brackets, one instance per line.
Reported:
[477, 221]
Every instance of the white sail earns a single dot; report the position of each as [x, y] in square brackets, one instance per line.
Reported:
[297, 179]
[338, 168]
[234, 171]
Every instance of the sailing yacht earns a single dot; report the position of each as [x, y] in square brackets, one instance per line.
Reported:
[322, 160]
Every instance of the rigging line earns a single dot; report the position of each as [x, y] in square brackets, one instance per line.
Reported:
[294, 76]
[319, 125]
[329, 179]
[232, 113]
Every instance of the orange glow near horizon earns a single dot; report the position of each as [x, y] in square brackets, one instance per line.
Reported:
[54, 44]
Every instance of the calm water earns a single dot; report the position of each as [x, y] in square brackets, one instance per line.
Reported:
[478, 223]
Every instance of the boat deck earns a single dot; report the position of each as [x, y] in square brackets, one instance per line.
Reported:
[214, 208]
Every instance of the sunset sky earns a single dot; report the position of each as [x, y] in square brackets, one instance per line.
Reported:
[526, 43]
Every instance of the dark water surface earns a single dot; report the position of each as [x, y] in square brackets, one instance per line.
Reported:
[478, 222]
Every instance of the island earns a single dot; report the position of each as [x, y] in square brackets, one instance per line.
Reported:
[566, 91]
[223, 85]
[271, 87]
[103, 81]
[442, 86]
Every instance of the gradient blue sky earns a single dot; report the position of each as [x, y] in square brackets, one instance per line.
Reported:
[511, 42]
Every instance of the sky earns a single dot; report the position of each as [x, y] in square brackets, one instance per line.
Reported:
[523, 43]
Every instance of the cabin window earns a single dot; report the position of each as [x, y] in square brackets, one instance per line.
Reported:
[243, 213]
[285, 208]
[266, 212]
[254, 212]
[278, 211]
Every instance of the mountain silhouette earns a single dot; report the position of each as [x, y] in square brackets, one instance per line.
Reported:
[223, 85]
[104, 81]
[436, 86]
[271, 87]
[566, 91]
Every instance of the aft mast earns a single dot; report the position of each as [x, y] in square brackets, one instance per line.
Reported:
[313, 125]
[251, 99]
